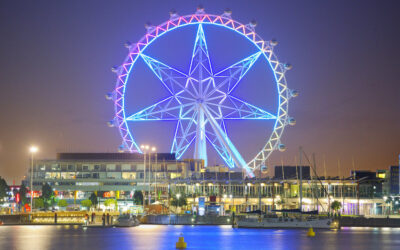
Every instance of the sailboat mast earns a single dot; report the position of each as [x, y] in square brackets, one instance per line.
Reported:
[301, 181]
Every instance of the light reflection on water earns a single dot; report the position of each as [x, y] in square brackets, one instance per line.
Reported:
[197, 237]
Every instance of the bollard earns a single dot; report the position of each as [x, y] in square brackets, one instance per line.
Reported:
[181, 244]
[310, 232]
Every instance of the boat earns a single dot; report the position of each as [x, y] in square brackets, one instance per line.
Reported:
[127, 220]
[287, 222]
[294, 218]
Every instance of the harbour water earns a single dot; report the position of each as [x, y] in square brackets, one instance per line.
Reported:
[197, 237]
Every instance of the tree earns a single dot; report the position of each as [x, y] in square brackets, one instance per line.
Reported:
[47, 195]
[389, 201]
[62, 203]
[93, 199]
[138, 197]
[110, 203]
[336, 205]
[22, 194]
[38, 203]
[4, 189]
[86, 203]
[179, 202]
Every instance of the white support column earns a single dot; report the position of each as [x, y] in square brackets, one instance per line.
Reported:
[223, 138]
[200, 151]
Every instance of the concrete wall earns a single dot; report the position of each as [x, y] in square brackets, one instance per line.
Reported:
[368, 222]
[187, 220]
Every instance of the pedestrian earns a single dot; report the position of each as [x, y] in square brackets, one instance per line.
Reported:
[93, 217]
[86, 219]
[103, 218]
[108, 219]
[55, 218]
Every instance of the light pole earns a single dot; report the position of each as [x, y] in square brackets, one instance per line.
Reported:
[233, 203]
[32, 150]
[178, 196]
[144, 148]
[153, 149]
[155, 179]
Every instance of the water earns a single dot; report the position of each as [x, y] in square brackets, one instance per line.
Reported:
[197, 237]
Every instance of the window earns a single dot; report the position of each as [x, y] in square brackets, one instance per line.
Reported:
[68, 175]
[175, 175]
[114, 175]
[126, 167]
[139, 167]
[85, 168]
[111, 167]
[172, 167]
[129, 175]
[97, 167]
[52, 175]
[55, 167]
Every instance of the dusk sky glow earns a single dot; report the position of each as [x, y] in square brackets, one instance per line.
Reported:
[55, 59]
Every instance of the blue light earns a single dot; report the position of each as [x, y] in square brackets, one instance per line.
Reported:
[201, 93]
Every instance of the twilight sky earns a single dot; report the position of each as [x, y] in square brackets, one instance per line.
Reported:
[55, 59]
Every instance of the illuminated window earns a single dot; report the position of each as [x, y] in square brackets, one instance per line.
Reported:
[175, 175]
[382, 175]
[129, 175]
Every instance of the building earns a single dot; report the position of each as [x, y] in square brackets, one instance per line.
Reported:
[118, 175]
[75, 176]
[394, 180]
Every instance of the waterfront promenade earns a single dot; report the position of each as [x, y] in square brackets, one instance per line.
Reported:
[78, 218]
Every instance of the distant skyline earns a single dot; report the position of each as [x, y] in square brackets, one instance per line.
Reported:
[55, 70]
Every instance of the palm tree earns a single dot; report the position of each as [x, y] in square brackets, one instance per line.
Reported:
[389, 201]
[336, 205]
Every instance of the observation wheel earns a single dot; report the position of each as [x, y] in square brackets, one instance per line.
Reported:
[200, 100]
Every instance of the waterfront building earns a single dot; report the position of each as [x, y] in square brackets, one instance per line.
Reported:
[75, 176]
[118, 175]
[394, 180]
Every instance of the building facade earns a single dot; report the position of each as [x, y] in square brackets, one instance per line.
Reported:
[75, 176]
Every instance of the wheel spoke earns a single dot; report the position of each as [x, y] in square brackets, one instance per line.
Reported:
[213, 140]
[226, 142]
[200, 58]
[173, 80]
[233, 108]
[167, 109]
[185, 134]
[227, 79]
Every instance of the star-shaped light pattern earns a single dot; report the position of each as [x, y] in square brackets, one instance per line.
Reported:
[200, 101]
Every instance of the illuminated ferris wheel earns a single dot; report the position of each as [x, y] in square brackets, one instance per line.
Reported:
[200, 100]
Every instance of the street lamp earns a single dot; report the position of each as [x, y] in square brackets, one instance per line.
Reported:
[147, 149]
[233, 202]
[143, 147]
[153, 149]
[32, 150]
[177, 197]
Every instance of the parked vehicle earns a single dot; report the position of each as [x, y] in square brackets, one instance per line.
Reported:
[127, 220]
